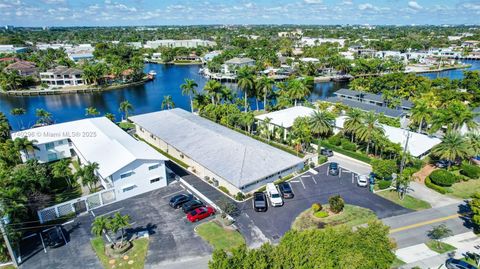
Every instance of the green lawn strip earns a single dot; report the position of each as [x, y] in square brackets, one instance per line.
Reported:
[397, 263]
[137, 254]
[353, 154]
[126, 125]
[179, 162]
[219, 237]
[468, 260]
[408, 202]
[440, 247]
[350, 216]
[464, 189]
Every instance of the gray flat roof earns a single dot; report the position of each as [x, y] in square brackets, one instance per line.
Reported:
[371, 96]
[394, 113]
[235, 157]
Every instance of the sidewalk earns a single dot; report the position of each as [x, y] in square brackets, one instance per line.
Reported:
[420, 255]
[435, 199]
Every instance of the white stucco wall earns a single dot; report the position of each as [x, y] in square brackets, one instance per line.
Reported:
[61, 148]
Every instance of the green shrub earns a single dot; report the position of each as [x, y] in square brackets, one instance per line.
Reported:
[316, 207]
[347, 145]
[240, 196]
[224, 189]
[321, 214]
[322, 159]
[336, 203]
[312, 165]
[409, 171]
[434, 187]
[442, 178]
[262, 189]
[335, 140]
[283, 179]
[356, 155]
[384, 168]
[471, 171]
[383, 184]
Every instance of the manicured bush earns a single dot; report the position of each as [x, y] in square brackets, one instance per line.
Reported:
[316, 207]
[322, 159]
[335, 140]
[321, 214]
[383, 184]
[434, 187]
[347, 145]
[240, 196]
[384, 168]
[471, 171]
[312, 165]
[224, 189]
[336, 203]
[442, 178]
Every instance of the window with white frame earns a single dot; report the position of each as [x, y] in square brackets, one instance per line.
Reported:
[50, 145]
[127, 174]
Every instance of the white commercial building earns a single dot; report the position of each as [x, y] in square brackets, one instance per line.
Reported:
[215, 153]
[191, 43]
[128, 166]
[312, 41]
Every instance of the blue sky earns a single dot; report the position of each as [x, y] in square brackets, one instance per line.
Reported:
[185, 12]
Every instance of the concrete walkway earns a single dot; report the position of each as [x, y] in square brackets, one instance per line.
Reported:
[435, 199]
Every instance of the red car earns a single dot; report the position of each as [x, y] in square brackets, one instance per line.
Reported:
[200, 213]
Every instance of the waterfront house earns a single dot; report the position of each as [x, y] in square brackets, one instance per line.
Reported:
[24, 68]
[62, 76]
[191, 43]
[128, 166]
[370, 98]
[11, 49]
[214, 152]
[232, 65]
[209, 56]
[187, 58]
[311, 41]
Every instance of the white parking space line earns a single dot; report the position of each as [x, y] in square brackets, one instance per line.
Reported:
[294, 181]
[93, 214]
[313, 171]
[110, 212]
[302, 184]
[314, 180]
[43, 244]
[173, 193]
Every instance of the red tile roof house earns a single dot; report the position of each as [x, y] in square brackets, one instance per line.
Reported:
[24, 68]
[9, 59]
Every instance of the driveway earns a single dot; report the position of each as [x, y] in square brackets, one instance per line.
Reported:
[172, 238]
[310, 188]
[351, 164]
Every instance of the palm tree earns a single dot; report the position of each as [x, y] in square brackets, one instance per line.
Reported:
[297, 90]
[87, 174]
[421, 113]
[245, 82]
[212, 87]
[110, 116]
[264, 128]
[473, 141]
[188, 88]
[100, 225]
[91, 111]
[200, 100]
[168, 102]
[119, 223]
[265, 85]
[353, 121]
[62, 170]
[44, 116]
[453, 147]
[18, 111]
[321, 122]
[125, 107]
[247, 120]
[26, 146]
[370, 129]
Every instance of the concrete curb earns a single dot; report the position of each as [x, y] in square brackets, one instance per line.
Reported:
[351, 159]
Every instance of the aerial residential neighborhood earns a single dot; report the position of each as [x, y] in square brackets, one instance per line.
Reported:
[222, 135]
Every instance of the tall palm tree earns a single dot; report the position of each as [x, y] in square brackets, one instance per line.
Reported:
[453, 147]
[321, 122]
[87, 174]
[353, 121]
[245, 82]
[212, 87]
[119, 223]
[125, 107]
[421, 113]
[297, 90]
[44, 117]
[17, 112]
[265, 85]
[200, 100]
[100, 225]
[168, 102]
[188, 88]
[62, 170]
[110, 116]
[370, 129]
[473, 141]
[25, 145]
[91, 111]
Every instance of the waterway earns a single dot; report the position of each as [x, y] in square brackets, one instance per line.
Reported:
[144, 98]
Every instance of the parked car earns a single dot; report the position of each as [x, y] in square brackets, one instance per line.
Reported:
[178, 200]
[274, 195]
[362, 180]
[326, 152]
[260, 202]
[54, 237]
[200, 213]
[444, 163]
[333, 169]
[191, 205]
[286, 190]
[458, 264]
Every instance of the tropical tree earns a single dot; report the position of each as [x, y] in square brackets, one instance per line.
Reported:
[119, 223]
[168, 102]
[246, 120]
[473, 141]
[353, 122]
[421, 113]
[125, 108]
[62, 170]
[370, 129]
[25, 145]
[44, 117]
[212, 87]
[439, 232]
[17, 112]
[87, 174]
[453, 147]
[265, 86]
[91, 111]
[264, 128]
[4, 128]
[100, 225]
[110, 116]
[200, 101]
[10, 81]
[188, 88]
[246, 82]
[321, 122]
[297, 90]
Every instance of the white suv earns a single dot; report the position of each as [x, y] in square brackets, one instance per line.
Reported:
[274, 195]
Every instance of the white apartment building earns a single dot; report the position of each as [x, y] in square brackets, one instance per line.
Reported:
[62, 76]
[191, 43]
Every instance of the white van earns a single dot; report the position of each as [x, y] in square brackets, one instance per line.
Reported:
[274, 195]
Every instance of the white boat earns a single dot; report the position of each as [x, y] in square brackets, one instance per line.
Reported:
[152, 72]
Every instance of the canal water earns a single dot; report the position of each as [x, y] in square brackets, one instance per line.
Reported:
[144, 98]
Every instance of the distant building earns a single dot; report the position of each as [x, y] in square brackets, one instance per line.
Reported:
[55, 46]
[374, 99]
[312, 41]
[192, 43]
[296, 33]
[209, 56]
[12, 49]
[24, 68]
[9, 27]
[193, 58]
[232, 65]
[62, 76]
[80, 52]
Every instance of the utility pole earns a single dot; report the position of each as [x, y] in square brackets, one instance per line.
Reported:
[404, 157]
[7, 242]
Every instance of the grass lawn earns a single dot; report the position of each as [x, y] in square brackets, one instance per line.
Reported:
[464, 189]
[219, 237]
[440, 247]
[350, 216]
[408, 202]
[126, 125]
[397, 263]
[134, 258]
[7, 267]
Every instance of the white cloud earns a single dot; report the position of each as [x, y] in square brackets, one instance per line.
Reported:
[347, 2]
[313, 1]
[249, 5]
[367, 6]
[471, 6]
[53, 1]
[414, 5]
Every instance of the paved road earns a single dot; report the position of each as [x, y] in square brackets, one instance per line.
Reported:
[435, 199]
[411, 229]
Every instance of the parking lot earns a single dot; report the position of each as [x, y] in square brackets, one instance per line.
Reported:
[310, 188]
[172, 237]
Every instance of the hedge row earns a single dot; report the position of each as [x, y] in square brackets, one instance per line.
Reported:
[383, 184]
[442, 178]
[471, 171]
[434, 187]
[359, 156]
